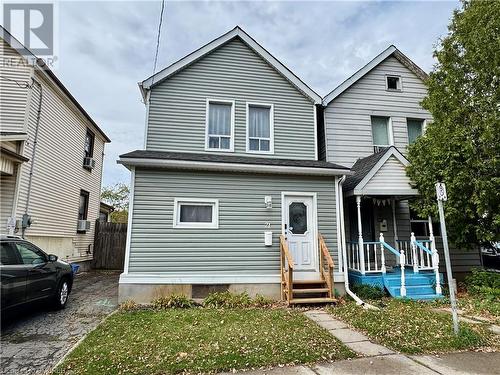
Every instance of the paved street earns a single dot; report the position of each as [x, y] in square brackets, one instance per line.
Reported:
[36, 338]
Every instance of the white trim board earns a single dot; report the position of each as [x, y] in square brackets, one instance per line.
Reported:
[230, 167]
[129, 221]
[208, 48]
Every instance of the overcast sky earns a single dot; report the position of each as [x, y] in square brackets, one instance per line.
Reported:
[106, 47]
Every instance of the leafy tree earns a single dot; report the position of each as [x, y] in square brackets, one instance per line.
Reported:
[117, 196]
[461, 147]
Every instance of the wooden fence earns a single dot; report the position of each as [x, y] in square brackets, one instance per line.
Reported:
[109, 245]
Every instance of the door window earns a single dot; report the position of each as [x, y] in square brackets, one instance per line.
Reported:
[297, 213]
[30, 254]
[8, 254]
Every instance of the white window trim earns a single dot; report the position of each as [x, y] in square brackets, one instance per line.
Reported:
[207, 109]
[271, 125]
[400, 88]
[390, 133]
[203, 201]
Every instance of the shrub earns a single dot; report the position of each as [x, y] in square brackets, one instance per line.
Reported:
[173, 301]
[365, 291]
[262, 301]
[227, 300]
[484, 283]
[129, 305]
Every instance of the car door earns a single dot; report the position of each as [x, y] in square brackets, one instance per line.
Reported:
[13, 276]
[42, 274]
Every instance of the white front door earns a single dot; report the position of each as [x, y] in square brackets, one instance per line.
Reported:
[299, 220]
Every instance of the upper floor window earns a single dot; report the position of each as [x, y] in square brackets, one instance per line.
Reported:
[381, 132]
[260, 128]
[393, 83]
[220, 125]
[89, 144]
[415, 129]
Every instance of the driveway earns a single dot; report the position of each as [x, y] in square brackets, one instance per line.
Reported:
[36, 338]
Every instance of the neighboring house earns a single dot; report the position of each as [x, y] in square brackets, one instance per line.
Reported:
[231, 160]
[105, 212]
[369, 120]
[51, 157]
[240, 183]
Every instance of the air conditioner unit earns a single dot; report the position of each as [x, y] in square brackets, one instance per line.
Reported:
[83, 225]
[88, 163]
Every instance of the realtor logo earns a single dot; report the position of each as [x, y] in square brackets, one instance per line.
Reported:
[31, 24]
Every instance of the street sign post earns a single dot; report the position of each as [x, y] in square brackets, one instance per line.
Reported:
[441, 197]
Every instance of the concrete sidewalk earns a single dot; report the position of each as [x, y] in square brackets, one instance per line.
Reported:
[447, 364]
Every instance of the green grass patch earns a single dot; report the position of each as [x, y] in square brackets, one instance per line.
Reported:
[201, 340]
[413, 327]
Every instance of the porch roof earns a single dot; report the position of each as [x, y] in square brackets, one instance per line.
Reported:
[382, 173]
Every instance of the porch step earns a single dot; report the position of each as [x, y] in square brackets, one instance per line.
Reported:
[308, 282]
[312, 300]
[309, 291]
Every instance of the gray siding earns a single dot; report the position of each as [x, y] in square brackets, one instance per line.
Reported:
[348, 122]
[237, 247]
[177, 110]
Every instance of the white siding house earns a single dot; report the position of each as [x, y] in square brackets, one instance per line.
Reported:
[369, 121]
[45, 136]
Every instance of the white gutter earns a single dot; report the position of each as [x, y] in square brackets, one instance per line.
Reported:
[232, 167]
[358, 300]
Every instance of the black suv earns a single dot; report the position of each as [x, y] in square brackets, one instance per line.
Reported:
[28, 274]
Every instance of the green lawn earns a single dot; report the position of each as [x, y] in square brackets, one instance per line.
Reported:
[413, 327]
[201, 340]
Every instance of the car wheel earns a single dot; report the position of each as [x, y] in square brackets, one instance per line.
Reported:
[61, 297]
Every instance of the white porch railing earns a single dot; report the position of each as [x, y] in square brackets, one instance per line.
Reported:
[374, 257]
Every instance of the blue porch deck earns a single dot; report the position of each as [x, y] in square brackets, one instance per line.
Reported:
[419, 286]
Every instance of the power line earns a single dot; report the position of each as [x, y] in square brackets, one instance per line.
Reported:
[158, 37]
[22, 84]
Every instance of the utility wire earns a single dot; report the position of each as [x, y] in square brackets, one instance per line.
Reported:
[158, 38]
[22, 84]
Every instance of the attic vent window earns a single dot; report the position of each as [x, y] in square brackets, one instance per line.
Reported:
[393, 83]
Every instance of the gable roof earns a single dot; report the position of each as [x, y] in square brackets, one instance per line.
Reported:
[237, 32]
[40, 64]
[366, 168]
[389, 51]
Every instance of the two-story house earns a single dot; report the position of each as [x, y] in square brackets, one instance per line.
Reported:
[51, 157]
[249, 181]
[369, 121]
[230, 168]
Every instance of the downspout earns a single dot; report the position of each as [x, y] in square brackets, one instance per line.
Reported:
[25, 221]
[358, 300]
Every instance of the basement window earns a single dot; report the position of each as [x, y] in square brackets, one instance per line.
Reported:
[196, 213]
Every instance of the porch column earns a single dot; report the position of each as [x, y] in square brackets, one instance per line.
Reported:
[394, 223]
[360, 237]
